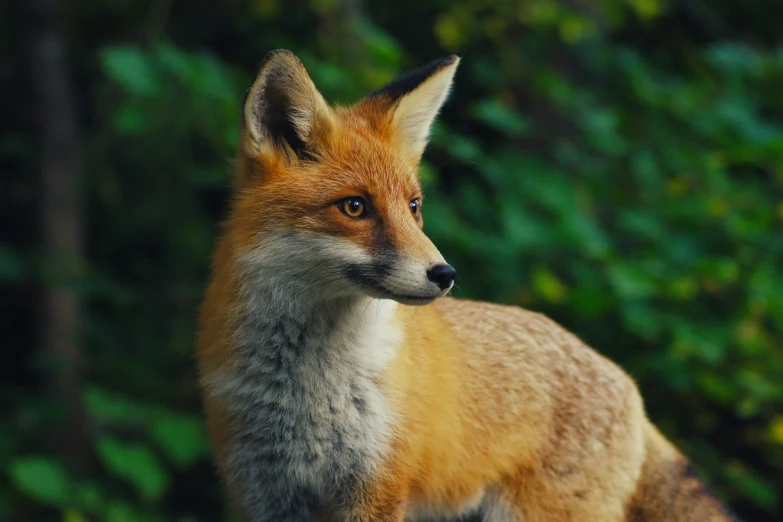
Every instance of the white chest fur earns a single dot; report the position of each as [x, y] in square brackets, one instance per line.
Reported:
[306, 392]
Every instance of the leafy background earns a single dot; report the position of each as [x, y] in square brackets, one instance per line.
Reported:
[617, 165]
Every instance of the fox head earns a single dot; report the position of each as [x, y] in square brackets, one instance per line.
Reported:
[328, 199]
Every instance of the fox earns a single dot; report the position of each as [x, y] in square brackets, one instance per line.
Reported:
[341, 381]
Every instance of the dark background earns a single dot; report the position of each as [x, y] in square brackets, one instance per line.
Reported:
[615, 164]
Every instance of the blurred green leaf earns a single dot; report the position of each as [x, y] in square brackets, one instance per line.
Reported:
[73, 515]
[130, 68]
[111, 408]
[548, 285]
[181, 438]
[134, 463]
[41, 479]
[130, 119]
[501, 118]
[752, 485]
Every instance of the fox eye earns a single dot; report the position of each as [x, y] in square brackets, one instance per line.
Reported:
[415, 205]
[353, 207]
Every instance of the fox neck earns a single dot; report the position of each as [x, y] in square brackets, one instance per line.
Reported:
[274, 320]
[286, 306]
[291, 287]
[311, 322]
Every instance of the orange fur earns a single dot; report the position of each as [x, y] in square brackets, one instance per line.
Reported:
[491, 403]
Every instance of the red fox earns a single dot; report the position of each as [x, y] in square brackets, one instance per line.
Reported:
[341, 383]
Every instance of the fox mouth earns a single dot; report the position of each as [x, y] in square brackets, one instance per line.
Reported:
[373, 277]
[409, 299]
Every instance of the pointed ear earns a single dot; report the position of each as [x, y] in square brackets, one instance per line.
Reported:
[414, 101]
[284, 112]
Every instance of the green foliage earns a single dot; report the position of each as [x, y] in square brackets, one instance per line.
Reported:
[41, 479]
[618, 167]
[134, 463]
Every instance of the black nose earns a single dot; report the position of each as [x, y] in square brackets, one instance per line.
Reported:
[441, 275]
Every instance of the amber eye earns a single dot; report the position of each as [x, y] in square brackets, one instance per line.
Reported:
[415, 205]
[354, 207]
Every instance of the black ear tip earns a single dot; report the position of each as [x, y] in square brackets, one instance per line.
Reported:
[408, 82]
[441, 63]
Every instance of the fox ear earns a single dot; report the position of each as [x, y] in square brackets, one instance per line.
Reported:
[284, 112]
[415, 100]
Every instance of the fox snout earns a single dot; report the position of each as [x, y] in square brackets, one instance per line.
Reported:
[403, 280]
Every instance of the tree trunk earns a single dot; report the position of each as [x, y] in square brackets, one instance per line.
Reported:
[60, 219]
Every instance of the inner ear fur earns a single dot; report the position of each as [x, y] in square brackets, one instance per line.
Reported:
[413, 101]
[283, 111]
